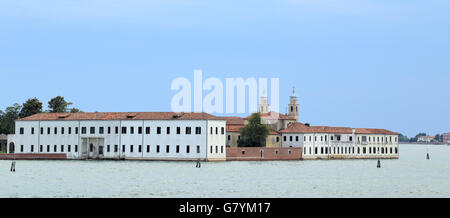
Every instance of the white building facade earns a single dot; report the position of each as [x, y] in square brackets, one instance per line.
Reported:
[322, 142]
[137, 136]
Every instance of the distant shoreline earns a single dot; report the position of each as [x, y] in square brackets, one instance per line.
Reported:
[421, 143]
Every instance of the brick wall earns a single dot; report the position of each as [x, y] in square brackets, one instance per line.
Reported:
[254, 154]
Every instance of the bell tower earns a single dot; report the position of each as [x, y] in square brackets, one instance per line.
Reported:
[293, 105]
[263, 103]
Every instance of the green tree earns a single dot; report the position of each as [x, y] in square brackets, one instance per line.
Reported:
[30, 107]
[254, 134]
[58, 105]
[75, 110]
[402, 138]
[8, 118]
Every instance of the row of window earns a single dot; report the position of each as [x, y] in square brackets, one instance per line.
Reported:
[48, 148]
[375, 139]
[322, 138]
[350, 150]
[338, 138]
[116, 148]
[124, 130]
[147, 148]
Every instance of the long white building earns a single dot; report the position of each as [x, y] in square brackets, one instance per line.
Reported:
[323, 142]
[140, 135]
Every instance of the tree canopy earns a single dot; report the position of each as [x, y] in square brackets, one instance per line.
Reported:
[30, 107]
[254, 133]
[8, 118]
[58, 105]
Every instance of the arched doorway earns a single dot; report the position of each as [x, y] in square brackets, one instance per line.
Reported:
[11, 147]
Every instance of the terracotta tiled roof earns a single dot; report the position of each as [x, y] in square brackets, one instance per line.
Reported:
[375, 131]
[301, 128]
[234, 128]
[234, 120]
[123, 116]
[273, 132]
[275, 115]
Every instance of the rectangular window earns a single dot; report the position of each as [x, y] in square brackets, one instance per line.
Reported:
[296, 138]
[62, 130]
[217, 130]
[168, 130]
[116, 148]
[107, 148]
[211, 149]
[62, 148]
[21, 148]
[41, 148]
[131, 130]
[21, 130]
[55, 130]
[364, 139]
[229, 137]
[178, 130]
[198, 130]
[32, 148]
[76, 148]
[124, 130]
[222, 130]
[48, 130]
[290, 138]
[188, 149]
[178, 149]
[217, 149]
[140, 148]
[147, 130]
[68, 148]
[221, 149]
[92, 130]
[70, 130]
[42, 131]
[54, 148]
[284, 138]
[198, 149]
[211, 130]
[123, 148]
[83, 130]
[76, 130]
[157, 149]
[32, 130]
[188, 130]
[48, 148]
[140, 130]
[167, 148]
[148, 148]
[158, 130]
[109, 130]
[101, 130]
[131, 148]
[116, 130]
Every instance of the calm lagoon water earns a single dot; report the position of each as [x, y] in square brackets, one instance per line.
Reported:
[410, 176]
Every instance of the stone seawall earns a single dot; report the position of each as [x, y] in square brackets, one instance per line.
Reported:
[263, 154]
[31, 156]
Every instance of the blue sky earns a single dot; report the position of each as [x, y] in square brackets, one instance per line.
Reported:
[358, 63]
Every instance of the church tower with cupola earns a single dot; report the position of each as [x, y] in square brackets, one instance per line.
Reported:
[293, 105]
